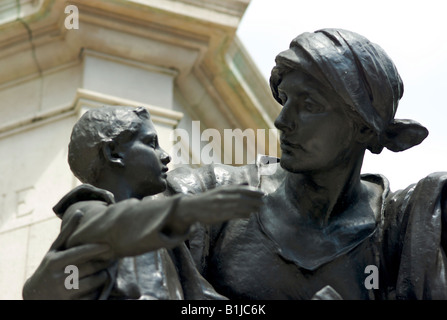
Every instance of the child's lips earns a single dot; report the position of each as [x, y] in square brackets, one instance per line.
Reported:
[163, 172]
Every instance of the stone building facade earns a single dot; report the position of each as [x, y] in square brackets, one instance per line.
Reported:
[181, 59]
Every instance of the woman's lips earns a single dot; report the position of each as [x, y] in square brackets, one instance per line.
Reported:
[285, 144]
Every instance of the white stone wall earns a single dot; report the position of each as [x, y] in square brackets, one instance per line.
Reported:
[34, 175]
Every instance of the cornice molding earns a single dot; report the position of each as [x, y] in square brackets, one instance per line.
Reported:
[195, 38]
[90, 99]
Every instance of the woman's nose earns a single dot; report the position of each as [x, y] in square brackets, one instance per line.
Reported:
[284, 121]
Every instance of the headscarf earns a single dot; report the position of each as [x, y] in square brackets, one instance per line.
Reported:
[363, 76]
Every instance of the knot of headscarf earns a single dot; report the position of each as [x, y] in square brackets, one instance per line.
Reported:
[363, 76]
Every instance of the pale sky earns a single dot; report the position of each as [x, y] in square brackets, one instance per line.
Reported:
[413, 34]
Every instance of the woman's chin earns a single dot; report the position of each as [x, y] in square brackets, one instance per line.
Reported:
[293, 165]
[288, 164]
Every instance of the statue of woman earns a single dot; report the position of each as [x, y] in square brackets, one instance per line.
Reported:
[323, 225]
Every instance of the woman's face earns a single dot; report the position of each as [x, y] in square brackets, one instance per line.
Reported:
[316, 132]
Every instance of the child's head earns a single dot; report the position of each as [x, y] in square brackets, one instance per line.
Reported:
[121, 141]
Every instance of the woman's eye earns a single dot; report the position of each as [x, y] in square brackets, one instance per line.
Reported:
[283, 98]
[313, 107]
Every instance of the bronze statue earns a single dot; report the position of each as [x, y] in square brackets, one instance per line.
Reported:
[115, 152]
[323, 226]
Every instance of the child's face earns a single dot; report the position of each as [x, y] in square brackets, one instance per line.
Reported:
[145, 162]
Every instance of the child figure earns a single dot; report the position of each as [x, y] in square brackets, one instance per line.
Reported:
[114, 151]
